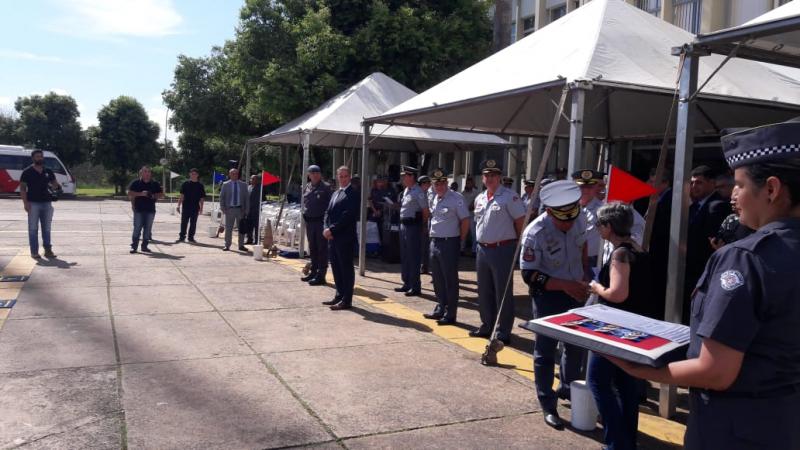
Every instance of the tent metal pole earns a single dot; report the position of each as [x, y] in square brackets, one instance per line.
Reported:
[362, 238]
[306, 149]
[578, 94]
[678, 227]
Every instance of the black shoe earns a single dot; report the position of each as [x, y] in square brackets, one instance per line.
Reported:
[48, 253]
[401, 289]
[249, 242]
[341, 306]
[317, 282]
[133, 249]
[308, 277]
[563, 394]
[37, 256]
[192, 240]
[413, 293]
[444, 321]
[552, 419]
[479, 333]
[505, 341]
[242, 248]
[433, 316]
[332, 302]
[226, 248]
[179, 240]
[145, 249]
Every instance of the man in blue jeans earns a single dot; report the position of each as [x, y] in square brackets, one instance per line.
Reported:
[143, 193]
[34, 188]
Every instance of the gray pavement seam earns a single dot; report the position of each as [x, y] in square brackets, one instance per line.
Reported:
[272, 371]
[120, 389]
[80, 424]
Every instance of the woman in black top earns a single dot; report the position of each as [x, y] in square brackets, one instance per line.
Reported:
[621, 283]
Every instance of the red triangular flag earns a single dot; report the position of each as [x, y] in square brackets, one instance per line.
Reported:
[625, 187]
[268, 178]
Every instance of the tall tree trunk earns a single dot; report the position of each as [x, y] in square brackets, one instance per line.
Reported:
[502, 24]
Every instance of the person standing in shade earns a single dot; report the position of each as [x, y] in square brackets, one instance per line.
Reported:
[190, 204]
[470, 193]
[449, 227]
[554, 261]
[424, 182]
[235, 204]
[591, 184]
[414, 214]
[143, 193]
[34, 189]
[743, 368]
[251, 225]
[499, 219]
[340, 231]
[316, 198]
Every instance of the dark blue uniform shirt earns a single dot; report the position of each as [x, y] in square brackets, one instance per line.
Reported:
[748, 298]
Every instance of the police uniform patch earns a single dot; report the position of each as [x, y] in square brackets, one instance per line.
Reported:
[529, 255]
[731, 279]
[491, 163]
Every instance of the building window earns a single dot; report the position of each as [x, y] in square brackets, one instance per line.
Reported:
[558, 12]
[686, 14]
[528, 25]
[651, 6]
[783, 2]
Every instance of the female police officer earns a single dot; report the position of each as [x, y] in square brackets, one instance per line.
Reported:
[744, 357]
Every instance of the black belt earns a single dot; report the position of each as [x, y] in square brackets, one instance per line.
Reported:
[783, 391]
[409, 221]
[444, 238]
[497, 244]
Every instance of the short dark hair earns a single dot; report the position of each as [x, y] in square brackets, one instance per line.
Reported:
[787, 171]
[193, 170]
[33, 153]
[705, 172]
[618, 216]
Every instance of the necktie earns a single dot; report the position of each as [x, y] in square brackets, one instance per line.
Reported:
[235, 202]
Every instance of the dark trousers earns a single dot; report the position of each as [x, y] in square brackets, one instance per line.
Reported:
[544, 351]
[494, 265]
[425, 249]
[444, 268]
[410, 256]
[251, 227]
[617, 397]
[188, 217]
[318, 247]
[717, 422]
[344, 275]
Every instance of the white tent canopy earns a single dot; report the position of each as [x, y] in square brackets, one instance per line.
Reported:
[772, 37]
[625, 55]
[337, 123]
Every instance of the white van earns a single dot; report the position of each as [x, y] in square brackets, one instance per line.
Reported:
[14, 159]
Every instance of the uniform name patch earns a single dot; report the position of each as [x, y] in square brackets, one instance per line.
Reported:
[731, 279]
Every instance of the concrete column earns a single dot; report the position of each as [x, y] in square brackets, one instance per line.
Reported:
[535, 152]
[458, 168]
[338, 158]
[563, 154]
[441, 160]
[667, 11]
[578, 96]
[540, 19]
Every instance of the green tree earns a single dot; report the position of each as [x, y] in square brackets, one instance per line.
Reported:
[125, 139]
[50, 122]
[8, 130]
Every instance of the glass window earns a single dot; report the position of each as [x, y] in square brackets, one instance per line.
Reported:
[651, 6]
[54, 165]
[528, 25]
[686, 14]
[14, 162]
[558, 12]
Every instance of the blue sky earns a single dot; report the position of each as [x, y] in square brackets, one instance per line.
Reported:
[97, 50]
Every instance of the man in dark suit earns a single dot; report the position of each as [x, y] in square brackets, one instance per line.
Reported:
[340, 231]
[706, 213]
[659, 239]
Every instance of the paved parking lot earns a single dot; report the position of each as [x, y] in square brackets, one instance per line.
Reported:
[192, 347]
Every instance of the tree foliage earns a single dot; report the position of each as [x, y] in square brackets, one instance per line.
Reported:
[50, 122]
[124, 140]
[8, 130]
[288, 56]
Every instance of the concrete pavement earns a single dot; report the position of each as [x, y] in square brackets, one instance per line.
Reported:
[192, 347]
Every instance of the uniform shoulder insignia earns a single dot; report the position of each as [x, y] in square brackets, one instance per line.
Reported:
[529, 255]
[731, 279]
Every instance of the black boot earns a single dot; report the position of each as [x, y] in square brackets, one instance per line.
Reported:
[48, 252]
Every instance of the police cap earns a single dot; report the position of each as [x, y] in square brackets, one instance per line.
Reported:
[561, 198]
[439, 175]
[408, 170]
[765, 144]
[423, 179]
[314, 169]
[587, 176]
[529, 183]
[490, 166]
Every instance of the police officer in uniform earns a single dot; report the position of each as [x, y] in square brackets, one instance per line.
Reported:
[527, 198]
[449, 227]
[744, 356]
[554, 264]
[414, 214]
[424, 182]
[316, 197]
[499, 217]
[591, 184]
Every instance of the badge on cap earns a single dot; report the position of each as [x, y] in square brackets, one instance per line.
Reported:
[491, 163]
[731, 279]
[587, 175]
